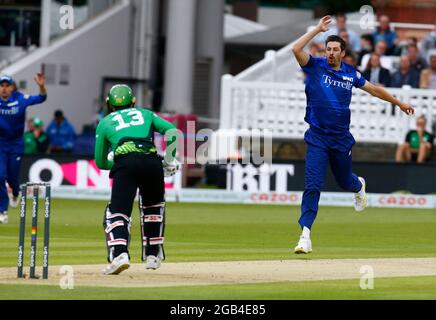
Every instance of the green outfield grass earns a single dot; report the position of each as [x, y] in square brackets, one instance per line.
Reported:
[210, 232]
[422, 288]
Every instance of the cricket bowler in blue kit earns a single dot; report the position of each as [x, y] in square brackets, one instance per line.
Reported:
[329, 83]
[13, 105]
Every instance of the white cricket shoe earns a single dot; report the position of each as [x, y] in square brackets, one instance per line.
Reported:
[118, 265]
[152, 262]
[4, 219]
[360, 197]
[14, 201]
[303, 246]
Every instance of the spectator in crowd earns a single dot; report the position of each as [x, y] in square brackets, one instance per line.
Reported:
[343, 33]
[350, 55]
[428, 76]
[341, 24]
[384, 33]
[403, 47]
[429, 42]
[434, 127]
[30, 124]
[412, 40]
[405, 75]
[375, 73]
[350, 58]
[314, 49]
[61, 134]
[321, 51]
[366, 45]
[36, 140]
[418, 144]
[417, 62]
[380, 49]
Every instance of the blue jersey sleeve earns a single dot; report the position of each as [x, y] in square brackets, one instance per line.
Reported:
[312, 64]
[31, 100]
[359, 80]
[26, 100]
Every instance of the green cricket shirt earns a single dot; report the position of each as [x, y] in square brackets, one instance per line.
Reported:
[130, 130]
[413, 138]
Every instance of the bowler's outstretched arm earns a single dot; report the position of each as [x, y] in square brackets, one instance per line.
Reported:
[383, 94]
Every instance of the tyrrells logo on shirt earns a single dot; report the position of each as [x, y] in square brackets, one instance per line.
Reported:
[348, 84]
[10, 112]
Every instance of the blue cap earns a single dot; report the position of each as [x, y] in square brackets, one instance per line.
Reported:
[7, 79]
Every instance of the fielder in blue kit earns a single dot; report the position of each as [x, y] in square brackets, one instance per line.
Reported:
[13, 105]
[329, 83]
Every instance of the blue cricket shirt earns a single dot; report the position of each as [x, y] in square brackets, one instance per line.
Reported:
[13, 115]
[329, 93]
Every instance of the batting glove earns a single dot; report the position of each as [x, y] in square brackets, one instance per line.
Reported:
[171, 168]
[111, 156]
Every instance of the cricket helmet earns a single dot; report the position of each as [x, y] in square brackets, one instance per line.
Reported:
[120, 96]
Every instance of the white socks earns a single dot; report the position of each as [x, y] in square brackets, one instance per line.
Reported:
[306, 233]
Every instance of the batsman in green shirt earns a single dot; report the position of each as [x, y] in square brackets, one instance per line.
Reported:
[125, 146]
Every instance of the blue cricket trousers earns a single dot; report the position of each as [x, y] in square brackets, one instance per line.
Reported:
[11, 153]
[317, 158]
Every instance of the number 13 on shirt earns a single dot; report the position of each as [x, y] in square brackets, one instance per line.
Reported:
[136, 119]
